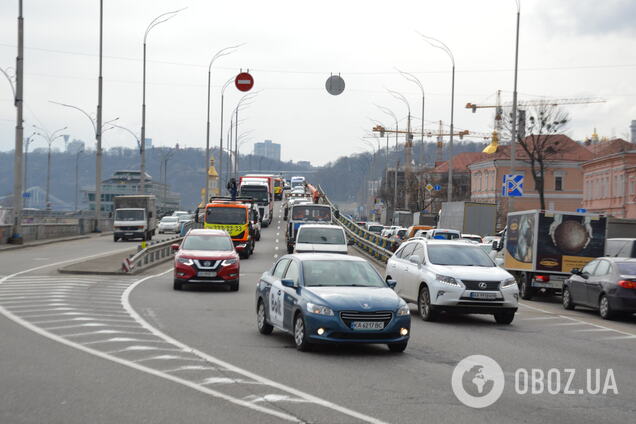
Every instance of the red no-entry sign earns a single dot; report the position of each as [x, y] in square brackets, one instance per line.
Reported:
[244, 81]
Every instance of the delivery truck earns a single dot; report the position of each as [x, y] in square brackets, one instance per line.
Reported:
[469, 217]
[540, 248]
[135, 217]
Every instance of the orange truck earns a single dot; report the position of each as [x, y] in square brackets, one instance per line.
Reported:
[234, 218]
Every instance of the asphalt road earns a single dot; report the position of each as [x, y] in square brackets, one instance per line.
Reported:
[88, 349]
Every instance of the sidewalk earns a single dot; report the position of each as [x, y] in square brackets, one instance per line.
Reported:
[4, 247]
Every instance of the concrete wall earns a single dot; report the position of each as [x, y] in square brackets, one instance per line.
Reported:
[43, 231]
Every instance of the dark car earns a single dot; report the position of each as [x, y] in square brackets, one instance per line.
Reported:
[331, 298]
[606, 284]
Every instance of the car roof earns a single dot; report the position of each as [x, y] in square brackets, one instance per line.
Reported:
[207, 232]
[618, 259]
[227, 203]
[319, 226]
[325, 257]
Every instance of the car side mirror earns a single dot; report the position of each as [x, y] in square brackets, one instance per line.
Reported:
[288, 283]
[585, 275]
[174, 247]
[392, 284]
[415, 259]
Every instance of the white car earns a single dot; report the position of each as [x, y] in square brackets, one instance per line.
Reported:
[388, 231]
[320, 238]
[452, 276]
[443, 234]
[169, 224]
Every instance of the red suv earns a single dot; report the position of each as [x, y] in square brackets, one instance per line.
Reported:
[206, 256]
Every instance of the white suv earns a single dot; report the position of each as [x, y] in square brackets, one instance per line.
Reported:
[453, 276]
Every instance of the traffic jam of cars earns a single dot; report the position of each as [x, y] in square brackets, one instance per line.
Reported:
[324, 292]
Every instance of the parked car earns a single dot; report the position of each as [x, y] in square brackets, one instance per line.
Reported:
[206, 256]
[327, 298]
[606, 284]
[168, 224]
[320, 238]
[452, 276]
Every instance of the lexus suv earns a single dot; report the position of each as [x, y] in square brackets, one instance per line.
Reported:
[206, 257]
[452, 276]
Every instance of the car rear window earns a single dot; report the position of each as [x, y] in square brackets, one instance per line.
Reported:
[626, 268]
[321, 236]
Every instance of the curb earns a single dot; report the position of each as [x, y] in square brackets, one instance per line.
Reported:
[42, 243]
[134, 272]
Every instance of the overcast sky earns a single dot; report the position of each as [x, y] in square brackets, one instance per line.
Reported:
[568, 48]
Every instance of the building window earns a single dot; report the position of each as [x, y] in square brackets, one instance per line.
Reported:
[558, 183]
[632, 186]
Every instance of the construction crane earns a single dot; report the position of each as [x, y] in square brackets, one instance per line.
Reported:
[498, 106]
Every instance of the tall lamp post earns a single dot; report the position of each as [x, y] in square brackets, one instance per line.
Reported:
[223, 52]
[49, 138]
[407, 149]
[415, 80]
[158, 20]
[514, 131]
[98, 130]
[226, 85]
[392, 115]
[165, 157]
[77, 155]
[434, 42]
[27, 143]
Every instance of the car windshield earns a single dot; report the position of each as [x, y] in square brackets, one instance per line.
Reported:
[452, 254]
[169, 219]
[321, 236]
[202, 242]
[258, 194]
[340, 273]
[311, 213]
[626, 268]
[225, 215]
[129, 215]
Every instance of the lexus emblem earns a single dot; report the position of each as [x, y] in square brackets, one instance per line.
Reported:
[208, 263]
[483, 285]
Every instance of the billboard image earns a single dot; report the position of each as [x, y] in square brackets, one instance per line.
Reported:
[519, 253]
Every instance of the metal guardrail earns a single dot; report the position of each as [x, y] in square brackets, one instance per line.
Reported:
[371, 243]
[152, 254]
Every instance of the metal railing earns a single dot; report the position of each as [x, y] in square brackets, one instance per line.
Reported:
[152, 254]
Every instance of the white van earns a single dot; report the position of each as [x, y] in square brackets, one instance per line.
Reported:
[323, 238]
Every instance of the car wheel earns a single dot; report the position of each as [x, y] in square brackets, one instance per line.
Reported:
[567, 299]
[424, 305]
[234, 286]
[261, 320]
[504, 317]
[604, 308]
[177, 285]
[290, 249]
[115, 238]
[258, 236]
[526, 291]
[300, 334]
[397, 347]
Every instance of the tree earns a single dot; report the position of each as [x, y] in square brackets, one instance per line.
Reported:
[543, 127]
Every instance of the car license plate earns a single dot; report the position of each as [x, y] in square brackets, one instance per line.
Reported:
[367, 325]
[481, 295]
[206, 274]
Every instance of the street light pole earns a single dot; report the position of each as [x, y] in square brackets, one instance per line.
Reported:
[220, 53]
[227, 83]
[514, 131]
[407, 149]
[98, 130]
[27, 143]
[50, 138]
[158, 20]
[415, 80]
[434, 42]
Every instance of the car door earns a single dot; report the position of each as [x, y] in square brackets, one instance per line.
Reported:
[412, 274]
[272, 292]
[287, 296]
[594, 285]
[399, 265]
[578, 291]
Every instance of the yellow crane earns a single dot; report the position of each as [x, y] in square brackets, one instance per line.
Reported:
[498, 106]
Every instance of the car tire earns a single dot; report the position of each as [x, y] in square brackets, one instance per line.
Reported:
[261, 320]
[504, 317]
[605, 309]
[234, 286]
[290, 249]
[300, 334]
[115, 238]
[526, 291]
[566, 299]
[397, 347]
[424, 307]
[258, 236]
[177, 285]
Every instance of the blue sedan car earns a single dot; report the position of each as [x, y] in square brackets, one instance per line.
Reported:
[327, 298]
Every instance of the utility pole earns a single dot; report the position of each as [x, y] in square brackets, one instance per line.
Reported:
[513, 142]
[77, 155]
[395, 187]
[98, 130]
[27, 143]
[16, 236]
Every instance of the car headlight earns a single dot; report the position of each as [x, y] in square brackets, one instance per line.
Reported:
[319, 309]
[403, 310]
[185, 261]
[229, 262]
[447, 280]
[508, 282]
